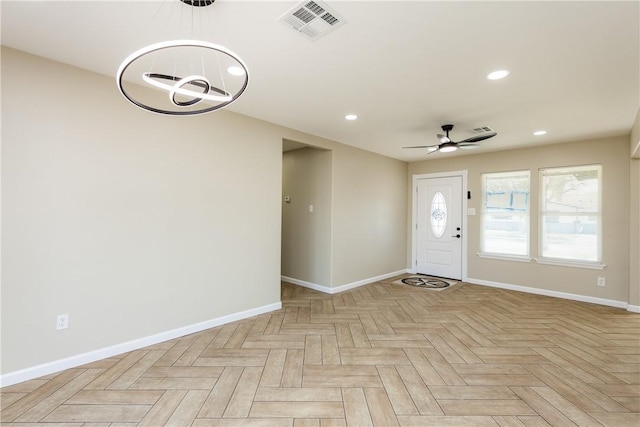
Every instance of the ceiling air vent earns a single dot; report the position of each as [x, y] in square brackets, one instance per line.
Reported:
[483, 129]
[314, 19]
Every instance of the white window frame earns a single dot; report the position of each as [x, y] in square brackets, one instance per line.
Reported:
[525, 215]
[542, 213]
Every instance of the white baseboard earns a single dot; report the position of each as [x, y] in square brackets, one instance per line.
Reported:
[527, 289]
[549, 293]
[341, 288]
[92, 356]
[314, 286]
[633, 308]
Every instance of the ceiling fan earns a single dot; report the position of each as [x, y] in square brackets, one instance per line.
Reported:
[446, 145]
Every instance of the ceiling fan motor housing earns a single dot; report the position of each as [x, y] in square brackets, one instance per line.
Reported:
[198, 3]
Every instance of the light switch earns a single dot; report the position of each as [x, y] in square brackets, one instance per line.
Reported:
[471, 211]
[310, 208]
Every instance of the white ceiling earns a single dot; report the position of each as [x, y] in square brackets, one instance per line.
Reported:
[405, 68]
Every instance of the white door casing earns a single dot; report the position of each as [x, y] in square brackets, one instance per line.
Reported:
[438, 225]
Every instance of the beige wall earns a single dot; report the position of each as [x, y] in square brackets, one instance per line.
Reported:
[634, 141]
[634, 233]
[369, 212]
[370, 216]
[306, 236]
[634, 215]
[613, 154]
[132, 223]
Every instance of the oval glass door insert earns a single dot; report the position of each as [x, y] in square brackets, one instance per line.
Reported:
[438, 214]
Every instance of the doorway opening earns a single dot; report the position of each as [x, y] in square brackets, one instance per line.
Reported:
[306, 214]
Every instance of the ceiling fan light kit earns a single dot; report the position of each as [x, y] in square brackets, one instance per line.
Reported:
[448, 147]
[190, 72]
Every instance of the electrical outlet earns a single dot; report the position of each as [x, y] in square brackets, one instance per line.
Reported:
[62, 321]
[601, 281]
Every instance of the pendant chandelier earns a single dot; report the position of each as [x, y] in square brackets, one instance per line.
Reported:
[189, 76]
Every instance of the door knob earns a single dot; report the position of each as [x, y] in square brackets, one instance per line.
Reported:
[457, 235]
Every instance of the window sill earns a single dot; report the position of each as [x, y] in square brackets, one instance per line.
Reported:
[517, 258]
[576, 264]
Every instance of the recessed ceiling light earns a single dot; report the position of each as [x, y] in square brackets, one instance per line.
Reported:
[235, 71]
[540, 132]
[351, 117]
[497, 75]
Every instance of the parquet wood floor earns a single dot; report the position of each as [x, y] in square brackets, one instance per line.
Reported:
[379, 355]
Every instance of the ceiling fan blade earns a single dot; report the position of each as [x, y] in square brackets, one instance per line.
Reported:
[480, 137]
[443, 138]
[468, 145]
[422, 146]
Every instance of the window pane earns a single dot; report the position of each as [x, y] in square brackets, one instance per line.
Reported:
[570, 213]
[438, 214]
[570, 237]
[505, 213]
[569, 190]
[505, 234]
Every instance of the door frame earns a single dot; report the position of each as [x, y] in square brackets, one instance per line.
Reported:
[414, 216]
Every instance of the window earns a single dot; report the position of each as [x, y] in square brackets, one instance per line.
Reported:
[505, 214]
[570, 213]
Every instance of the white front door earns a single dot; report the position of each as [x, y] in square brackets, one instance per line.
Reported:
[439, 227]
